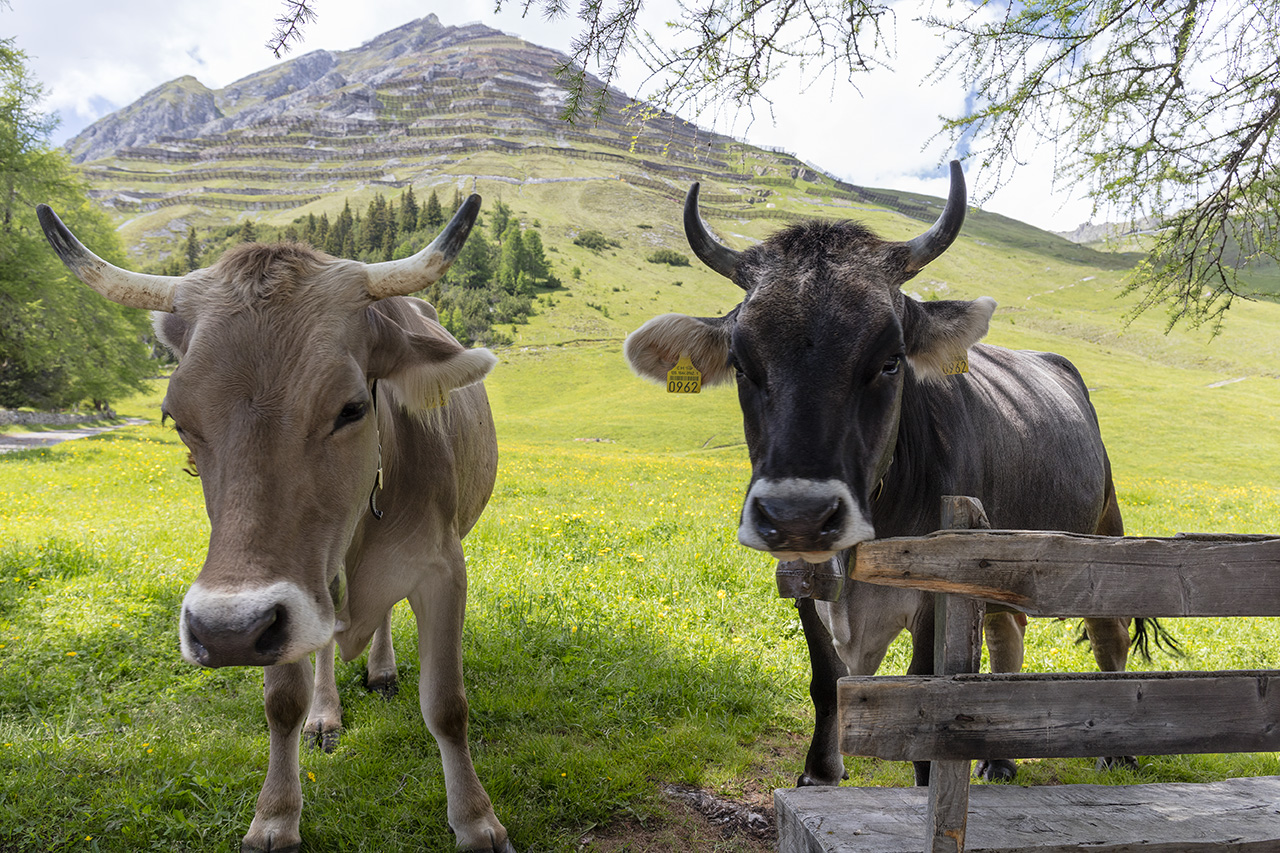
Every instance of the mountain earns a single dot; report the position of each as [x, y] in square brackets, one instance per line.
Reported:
[410, 108]
[386, 113]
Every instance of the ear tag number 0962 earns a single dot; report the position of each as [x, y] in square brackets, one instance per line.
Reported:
[958, 365]
[684, 378]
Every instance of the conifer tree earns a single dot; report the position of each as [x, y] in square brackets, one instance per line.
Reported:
[511, 257]
[499, 219]
[432, 215]
[536, 263]
[409, 212]
[191, 250]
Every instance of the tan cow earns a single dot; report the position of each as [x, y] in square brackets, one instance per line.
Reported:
[345, 445]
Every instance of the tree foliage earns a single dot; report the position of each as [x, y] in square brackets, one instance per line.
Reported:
[1160, 110]
[491, 283]
[60, 344]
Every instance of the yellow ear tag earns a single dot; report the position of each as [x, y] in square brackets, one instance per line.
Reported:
[957, 366]
[684, 378]
[438, 403]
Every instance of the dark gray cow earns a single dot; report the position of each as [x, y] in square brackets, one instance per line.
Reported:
[305, 383]
[856, 427]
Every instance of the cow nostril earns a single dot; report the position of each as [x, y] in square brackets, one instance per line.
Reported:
[766, 526]
[274, 632]
[833, 519]
[196, 634]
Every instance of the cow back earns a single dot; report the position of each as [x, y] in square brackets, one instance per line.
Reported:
[1017, 431]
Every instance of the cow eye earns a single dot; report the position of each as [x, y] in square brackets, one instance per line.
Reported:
[187, 436]
[739, 373]
[350, 413]
[891, 365]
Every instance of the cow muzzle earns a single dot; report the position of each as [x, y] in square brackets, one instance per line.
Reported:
[274, 624]
[798, 519]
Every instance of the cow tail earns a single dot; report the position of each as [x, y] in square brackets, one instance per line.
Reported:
[1145, 632]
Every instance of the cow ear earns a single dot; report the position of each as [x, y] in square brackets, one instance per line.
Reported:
[654, 348]
[418, 358]
[939, 333]
[171, 330]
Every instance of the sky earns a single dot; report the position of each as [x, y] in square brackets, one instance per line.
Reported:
[95, 57]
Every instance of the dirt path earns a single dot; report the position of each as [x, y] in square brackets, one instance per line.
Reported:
[11, 441]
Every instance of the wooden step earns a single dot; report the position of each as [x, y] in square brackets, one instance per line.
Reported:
[1236, 815]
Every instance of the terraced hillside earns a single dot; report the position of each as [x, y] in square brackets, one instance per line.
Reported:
[411, 104]
[419, 105]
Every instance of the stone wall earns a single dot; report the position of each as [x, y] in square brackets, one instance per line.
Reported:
[13, 416]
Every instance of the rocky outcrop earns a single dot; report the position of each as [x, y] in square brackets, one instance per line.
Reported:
[321, 85]
[1103, 232]
[178, 108]
[314, 126]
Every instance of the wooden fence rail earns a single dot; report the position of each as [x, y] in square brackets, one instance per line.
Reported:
[959, 715]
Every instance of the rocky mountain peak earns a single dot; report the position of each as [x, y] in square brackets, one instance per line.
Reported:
[321, 84]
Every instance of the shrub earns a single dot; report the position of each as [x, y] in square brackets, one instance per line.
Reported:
[668, 256]
[594, 240]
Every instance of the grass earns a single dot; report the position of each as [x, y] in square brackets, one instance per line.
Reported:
[617, 638]
[617, 635]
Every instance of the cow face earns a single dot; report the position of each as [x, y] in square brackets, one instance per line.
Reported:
[280, 350]
[821, 349]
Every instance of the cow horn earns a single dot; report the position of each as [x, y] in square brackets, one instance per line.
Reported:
[720, 258]
[932, 243]
[400, 278]
[131, 289]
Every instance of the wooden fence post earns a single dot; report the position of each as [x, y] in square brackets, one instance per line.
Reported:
[957, 647]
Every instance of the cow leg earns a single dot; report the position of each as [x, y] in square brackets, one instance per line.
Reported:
[380, 671]
[438, 604]
[923, 630]
[1109, 639]
[823, 765]
[1003, 633]
[324, 721]
[862, 624]
[287, 693]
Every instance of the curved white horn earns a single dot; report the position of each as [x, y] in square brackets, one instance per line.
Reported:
[932, 243]
[400, 278]
[131, 289]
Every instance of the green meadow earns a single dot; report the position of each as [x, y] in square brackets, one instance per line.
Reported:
[618, 638]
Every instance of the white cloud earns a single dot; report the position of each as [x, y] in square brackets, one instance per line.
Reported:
[96, 57]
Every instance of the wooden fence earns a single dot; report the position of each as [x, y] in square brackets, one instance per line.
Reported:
[960, 715]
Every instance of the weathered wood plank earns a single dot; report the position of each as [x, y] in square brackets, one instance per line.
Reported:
[1061, 574]
[1241, 815]
[957, 647]
[914, 718]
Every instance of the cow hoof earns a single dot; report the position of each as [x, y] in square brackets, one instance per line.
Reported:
[807, 780]
[1117, 761]
[326, 740]
[247, 847]
[503, 846]
[386, 686]
[996, 770]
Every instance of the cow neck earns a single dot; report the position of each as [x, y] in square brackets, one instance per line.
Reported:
[909, 482]
[377, 480]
